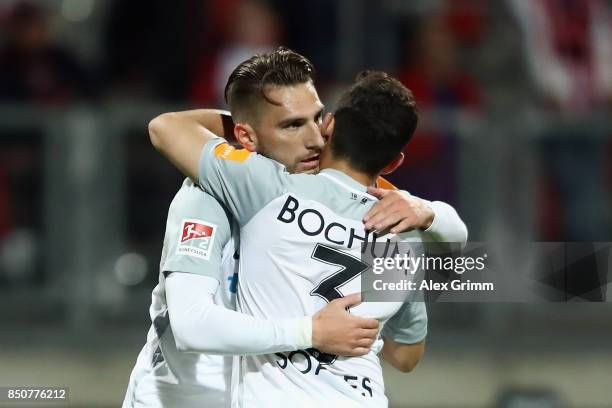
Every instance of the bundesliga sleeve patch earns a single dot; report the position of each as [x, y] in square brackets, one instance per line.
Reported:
[226, 152]
[197, 238]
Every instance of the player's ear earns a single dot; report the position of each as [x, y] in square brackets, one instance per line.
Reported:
[393, 165]
[246, 136]
[327, 127]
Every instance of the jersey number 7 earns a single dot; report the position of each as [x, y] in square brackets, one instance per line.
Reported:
[350, 268]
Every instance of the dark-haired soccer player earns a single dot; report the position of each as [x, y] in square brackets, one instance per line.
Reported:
[192, 316]
[297, 231]
[198, 242]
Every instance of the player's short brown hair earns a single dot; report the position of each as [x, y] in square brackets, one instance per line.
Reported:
[374, 121]
[248, 83]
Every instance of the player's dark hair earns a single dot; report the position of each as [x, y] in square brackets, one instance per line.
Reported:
[248, 83]
[374, 120]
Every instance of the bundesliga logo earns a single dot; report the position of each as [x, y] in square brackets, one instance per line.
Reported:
[197, 238]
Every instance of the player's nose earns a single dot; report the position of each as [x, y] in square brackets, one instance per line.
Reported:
[314, 139]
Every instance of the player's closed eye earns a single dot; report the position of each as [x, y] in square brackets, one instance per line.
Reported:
[293, 125]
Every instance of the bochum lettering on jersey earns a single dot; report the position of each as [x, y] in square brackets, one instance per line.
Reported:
[291, 213]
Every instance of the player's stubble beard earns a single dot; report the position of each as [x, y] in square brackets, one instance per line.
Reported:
[309, 171]
[293, 168]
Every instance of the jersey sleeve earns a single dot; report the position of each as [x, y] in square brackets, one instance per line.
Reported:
[447, 226]
[243, 181]
[408, 325]
[196, 232]
[199, 325]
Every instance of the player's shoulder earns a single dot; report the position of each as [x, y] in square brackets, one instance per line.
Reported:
[191, 193]
[228, 153]
[192, 201]
[309, 186]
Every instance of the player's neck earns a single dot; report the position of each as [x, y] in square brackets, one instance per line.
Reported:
[344, 167]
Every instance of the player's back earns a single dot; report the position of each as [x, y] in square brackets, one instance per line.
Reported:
[300, 246]
[300, 251]
[197, 240]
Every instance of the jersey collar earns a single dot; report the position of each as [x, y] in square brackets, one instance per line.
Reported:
[345, 181]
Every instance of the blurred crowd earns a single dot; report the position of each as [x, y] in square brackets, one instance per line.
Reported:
[472, 56]
[185, 52]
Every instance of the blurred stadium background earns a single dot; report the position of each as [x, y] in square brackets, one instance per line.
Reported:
[516, 100]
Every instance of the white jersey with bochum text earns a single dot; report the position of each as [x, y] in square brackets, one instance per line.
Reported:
[199, 240]
[300, 242]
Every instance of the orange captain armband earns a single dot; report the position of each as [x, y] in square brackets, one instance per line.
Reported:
[381, 182]
[227, 152]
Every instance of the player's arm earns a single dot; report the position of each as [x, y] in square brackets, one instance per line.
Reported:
[199, 325]
[242, 181]
[403, 357]
[404, 336]
[180, 136]
[401, 211]
[196, 232]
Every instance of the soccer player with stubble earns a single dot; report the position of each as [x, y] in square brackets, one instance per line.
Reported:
[302, 95]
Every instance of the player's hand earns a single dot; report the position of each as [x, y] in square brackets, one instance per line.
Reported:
[398, 211]
[335, 331]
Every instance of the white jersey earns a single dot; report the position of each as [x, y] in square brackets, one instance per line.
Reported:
[198, 240]
[301, 239]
